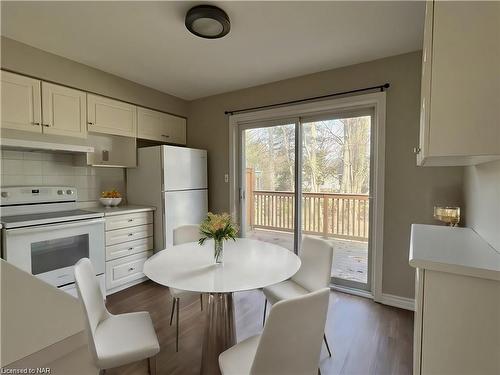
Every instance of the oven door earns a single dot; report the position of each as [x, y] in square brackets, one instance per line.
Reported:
[50, 251]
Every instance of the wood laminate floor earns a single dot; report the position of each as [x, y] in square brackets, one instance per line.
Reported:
[365, 337]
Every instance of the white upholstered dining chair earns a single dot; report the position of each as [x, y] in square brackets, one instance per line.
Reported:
[114, 340]
[314, 273]
[183, 234]
[290, 343]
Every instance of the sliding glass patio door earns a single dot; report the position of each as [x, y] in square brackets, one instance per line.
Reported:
[267, 182]
[335, 181]
[312, 173]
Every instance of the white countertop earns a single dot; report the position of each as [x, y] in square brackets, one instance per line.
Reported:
[454, 250]
[118, 210]
[248, 264]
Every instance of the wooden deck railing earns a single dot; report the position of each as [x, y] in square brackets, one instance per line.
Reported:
[325, 214]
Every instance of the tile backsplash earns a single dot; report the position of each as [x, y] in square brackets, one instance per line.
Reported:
[44, 169]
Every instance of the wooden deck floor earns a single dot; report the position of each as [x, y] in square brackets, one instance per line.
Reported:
[365, 337]
[350, 259]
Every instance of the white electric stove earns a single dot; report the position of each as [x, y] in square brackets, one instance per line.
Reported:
[44, 233]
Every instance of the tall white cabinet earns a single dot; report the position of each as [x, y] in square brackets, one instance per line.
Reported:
[460, 104]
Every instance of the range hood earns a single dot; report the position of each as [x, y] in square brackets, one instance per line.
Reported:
[11, 139]
[27, 145]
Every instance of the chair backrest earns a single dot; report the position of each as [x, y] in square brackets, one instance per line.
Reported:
[293, 335]
[92, 300]
[186, 233]
[315, 270]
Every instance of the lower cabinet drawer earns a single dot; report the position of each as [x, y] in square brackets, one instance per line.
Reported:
[128, 220]
[129, 248]
[114, 237]
[124, 270]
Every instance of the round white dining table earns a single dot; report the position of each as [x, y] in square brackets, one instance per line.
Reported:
[248, 264]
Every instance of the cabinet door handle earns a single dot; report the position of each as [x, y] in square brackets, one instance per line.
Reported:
[416, 150]
[130, 248]
[35, 123]
[90, 123]
[46, 125]
[131, 269]
[130, 234]
[130, 220]
[165, 135]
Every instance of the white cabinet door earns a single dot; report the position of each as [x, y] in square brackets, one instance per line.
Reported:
[461, 84]
[159, 126]
[64, 111]
[111, 116]
[426, 83]
[21, 108]
[124, 270]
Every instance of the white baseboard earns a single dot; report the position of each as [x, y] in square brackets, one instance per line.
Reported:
[397, 301]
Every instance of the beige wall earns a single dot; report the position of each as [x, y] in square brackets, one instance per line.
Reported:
[18, 168]
[28, 60]
[410, 192]
[482, 201]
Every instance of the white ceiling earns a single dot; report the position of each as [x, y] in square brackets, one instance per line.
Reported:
[147, 42]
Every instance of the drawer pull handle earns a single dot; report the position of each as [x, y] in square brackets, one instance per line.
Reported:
[130, 234]
[130, 220]
[131, 248]
[131, 269]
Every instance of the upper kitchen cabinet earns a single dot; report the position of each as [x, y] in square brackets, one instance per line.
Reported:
[63, 111]
[21, 109]
[159, 126]
[460, 107]
[111, 116]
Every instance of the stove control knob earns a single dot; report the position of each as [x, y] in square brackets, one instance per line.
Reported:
[69, 192]
[5, 194]
[60, 192]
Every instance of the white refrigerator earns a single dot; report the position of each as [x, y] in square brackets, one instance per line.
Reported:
[174, 181]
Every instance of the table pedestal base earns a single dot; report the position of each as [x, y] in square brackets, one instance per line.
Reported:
[220, 331]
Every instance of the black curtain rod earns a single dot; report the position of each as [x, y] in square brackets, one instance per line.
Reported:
[379, 87]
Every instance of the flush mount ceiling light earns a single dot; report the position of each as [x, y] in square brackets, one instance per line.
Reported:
[207, 21]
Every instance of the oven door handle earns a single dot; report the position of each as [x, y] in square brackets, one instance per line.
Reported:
[45, 227]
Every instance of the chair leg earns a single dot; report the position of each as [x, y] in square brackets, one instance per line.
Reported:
[177, 327]
[201, 301]
[264, 317]
[173, 308]
[152, 365]
[327, 346]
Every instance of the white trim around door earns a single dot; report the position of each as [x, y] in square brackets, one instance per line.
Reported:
[375, 101]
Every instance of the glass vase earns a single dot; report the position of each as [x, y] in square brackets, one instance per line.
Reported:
[219, 251]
